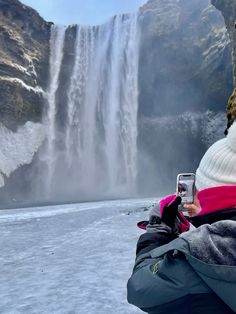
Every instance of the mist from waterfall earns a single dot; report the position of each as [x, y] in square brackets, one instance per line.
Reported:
[91, 149]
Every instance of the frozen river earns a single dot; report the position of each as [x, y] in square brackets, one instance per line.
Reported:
[72, 258]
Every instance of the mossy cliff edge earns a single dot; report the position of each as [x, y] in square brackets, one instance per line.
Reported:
[24, 63]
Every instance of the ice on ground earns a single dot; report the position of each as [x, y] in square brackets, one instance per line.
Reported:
[76, 261]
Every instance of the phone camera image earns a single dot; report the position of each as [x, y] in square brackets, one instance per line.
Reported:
[185, 187]
[182, 189]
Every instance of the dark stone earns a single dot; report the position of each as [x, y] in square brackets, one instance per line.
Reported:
[185, 66]
[24, 56]
[228, 10]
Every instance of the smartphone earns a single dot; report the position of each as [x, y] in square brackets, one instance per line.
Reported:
[185, 187]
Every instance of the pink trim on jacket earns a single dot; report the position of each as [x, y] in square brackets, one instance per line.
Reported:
[217, 198]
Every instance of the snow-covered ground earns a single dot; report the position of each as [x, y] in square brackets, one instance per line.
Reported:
[70, 258]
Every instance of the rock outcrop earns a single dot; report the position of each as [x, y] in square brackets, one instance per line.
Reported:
[185, 79]
[185, 58]
[24, 63]
[24, 73]
[228, 10]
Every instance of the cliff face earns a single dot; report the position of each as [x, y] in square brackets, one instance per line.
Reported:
[185, 71]
[24, 63]
[228, 10]
[185, 58]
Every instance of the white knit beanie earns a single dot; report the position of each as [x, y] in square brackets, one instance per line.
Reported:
[218, 165]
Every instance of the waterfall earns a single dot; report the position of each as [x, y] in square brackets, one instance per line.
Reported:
[56, 55]
[92, 110]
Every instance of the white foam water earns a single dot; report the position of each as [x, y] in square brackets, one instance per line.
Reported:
[101, 110]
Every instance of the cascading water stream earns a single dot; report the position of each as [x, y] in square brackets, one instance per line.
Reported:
[56, 55]
[98, 149]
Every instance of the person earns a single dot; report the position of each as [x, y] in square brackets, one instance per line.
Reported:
[182, 271]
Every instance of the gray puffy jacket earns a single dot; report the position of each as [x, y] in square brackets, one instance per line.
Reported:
[195, 273]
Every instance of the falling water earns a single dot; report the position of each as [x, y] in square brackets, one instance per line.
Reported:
[56, 55]
[98, 149]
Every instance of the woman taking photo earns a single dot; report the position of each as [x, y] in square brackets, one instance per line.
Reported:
[182, 271]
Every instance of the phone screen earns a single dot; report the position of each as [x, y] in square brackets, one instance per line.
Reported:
[185, 187]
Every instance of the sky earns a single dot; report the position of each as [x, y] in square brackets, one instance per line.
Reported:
[84, 12]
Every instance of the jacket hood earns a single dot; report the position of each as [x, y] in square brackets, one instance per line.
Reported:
[211, 251]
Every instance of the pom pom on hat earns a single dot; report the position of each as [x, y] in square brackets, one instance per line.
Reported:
[218, 165]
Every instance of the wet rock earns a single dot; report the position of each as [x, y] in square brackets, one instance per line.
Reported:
[24, 60]
[228, 10]
[185, 58]
[185, 79]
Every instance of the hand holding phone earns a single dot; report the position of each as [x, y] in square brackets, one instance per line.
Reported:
[192, 209]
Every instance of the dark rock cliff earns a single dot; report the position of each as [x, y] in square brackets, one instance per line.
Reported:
[24, 60]
[185, 59]
[228, 10]
[24, 73]
[185, 71]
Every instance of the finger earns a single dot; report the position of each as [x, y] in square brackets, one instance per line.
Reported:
[187, 206]
[190, 206]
